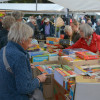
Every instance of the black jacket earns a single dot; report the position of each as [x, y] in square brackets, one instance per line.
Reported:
[3, 37]
[35, 28]
[98, 30]
[52, 30]
[75, 37]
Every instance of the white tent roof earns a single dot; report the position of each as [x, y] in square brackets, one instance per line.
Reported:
[79, 5]
[31, 7]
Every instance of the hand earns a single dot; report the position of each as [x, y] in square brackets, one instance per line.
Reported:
[32, 66]
[98, 53]
[42, 77]
[31, 45]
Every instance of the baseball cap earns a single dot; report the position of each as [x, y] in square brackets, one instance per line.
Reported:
[47, 20]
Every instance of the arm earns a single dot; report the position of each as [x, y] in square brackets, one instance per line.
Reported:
[76, 45]
[23, 77]
[98, 43]
[52, 30]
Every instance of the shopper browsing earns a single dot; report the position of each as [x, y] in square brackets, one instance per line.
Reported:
[18, 15]
[7, 22]
[16, 81]
[75, 29]
[48, 28]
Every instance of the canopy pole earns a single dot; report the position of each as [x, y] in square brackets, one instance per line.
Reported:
[55, 25]
[36, 4]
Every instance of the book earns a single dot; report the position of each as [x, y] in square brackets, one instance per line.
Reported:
[80, 70]
[66, 67]
[87, 55]
[73, 51]
[48, 68]
[72, 58]
[59, 76]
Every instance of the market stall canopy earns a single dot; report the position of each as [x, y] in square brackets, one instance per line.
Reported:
[31, 7]
[80, 5]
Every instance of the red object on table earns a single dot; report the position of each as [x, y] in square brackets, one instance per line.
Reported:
[87, 55]
[62, 36]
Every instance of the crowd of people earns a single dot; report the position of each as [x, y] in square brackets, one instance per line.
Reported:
[16, 81]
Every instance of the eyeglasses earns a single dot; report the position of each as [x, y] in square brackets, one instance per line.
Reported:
[31, 37]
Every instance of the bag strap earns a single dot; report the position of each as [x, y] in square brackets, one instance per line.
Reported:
[7, 66]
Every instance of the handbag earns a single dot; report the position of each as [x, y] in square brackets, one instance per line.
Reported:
[59, 22]
[37, 94]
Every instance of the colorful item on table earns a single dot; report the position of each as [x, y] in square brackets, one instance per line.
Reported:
[65, 67]
[36, 53]
[87, 55]
[40, 58]
[52, 40]
[34, 48]
[72, 58]
[73, 51]
[62, 76]
[48, 68]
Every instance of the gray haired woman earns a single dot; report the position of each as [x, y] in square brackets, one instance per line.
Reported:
[68, 32]
[7, 23]
[16, 80]
[18, 15]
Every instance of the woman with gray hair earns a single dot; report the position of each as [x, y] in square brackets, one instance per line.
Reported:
[7, 23]
[17, 15]
[68, 32]
[16, 80]
[89, 40]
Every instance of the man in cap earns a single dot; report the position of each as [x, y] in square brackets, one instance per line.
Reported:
[48, 28]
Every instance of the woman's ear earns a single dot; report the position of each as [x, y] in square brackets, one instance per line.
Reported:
[22, 42]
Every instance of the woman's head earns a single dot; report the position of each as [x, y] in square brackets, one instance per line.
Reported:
[75, 26]
[85, 30]
[68, 30]
[21, 34]
[17, 15]
[7, 22]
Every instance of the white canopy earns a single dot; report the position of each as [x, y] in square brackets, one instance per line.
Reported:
[79, 5]
[31, 7]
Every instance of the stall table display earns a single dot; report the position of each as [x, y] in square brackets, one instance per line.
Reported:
[69, 77]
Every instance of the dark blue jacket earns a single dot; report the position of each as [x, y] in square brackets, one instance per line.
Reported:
[52, 30]
[16, 86]
[98, 30]
[3, 37]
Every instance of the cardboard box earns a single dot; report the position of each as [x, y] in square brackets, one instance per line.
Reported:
[48, 87]
[48, 84]
[87, 89]
[78, 63]
[59, 91]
